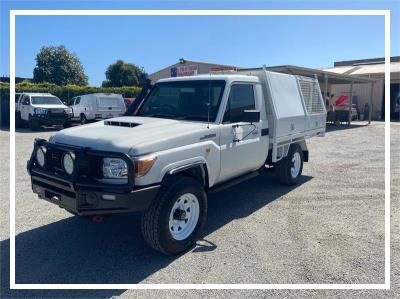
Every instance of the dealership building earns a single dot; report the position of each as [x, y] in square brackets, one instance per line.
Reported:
[361, 80]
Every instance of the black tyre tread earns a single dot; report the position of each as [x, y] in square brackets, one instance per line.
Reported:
[18, 120]
[284, 165]
[33, 124]
[83, 119]
[149, 220]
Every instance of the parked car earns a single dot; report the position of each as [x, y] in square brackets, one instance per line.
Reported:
[97, 106]
[37, 109]
[190, 136]
[128, 102]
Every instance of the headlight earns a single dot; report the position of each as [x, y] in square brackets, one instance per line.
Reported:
[68, 162]
[143, 164]
[68, 110]
[41, 156]
[114, 168]
[40, 110]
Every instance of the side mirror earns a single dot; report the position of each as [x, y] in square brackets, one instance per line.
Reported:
[251, 116]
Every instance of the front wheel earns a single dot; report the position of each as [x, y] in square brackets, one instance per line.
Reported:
[175, 219]
[18, 120]
[34, 124]
[289, 169]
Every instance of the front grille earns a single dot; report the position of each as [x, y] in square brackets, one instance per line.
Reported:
[88, 166]
[56, 115]
[56, 111]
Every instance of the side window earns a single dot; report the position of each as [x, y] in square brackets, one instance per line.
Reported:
[77, 100]
[241, 97]
[25, 101]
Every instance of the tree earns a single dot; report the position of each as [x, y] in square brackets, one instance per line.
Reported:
[59, 66]
[123, 74]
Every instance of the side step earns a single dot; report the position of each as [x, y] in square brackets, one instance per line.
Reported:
[234, 181]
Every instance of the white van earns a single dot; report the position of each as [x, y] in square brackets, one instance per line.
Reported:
[97, 106]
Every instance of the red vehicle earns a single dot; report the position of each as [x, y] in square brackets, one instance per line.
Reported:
[128, 102]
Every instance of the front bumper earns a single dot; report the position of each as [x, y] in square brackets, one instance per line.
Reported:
[87, 196]
[52, 119]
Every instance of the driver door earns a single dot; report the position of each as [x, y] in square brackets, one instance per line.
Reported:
[239, 142]
[75, 107]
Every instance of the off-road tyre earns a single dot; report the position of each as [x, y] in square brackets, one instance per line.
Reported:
[34, 124]
[155, 220]
[284, 166]
[19, 123]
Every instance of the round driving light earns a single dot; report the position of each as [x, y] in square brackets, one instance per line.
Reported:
[41, 156]
[68, 162]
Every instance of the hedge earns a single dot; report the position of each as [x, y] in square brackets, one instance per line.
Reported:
[66, 92]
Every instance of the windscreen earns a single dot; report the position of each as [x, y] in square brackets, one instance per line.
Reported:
[37, 100]
[105, 102]
[190, 100]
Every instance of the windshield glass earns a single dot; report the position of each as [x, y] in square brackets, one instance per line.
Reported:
[36, 100]
[187, 100]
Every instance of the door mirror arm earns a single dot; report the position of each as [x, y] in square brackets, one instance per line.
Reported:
[248, 134]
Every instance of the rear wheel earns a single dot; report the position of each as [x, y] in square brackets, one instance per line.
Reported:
[289, 169]
[174, 221]
[83, 119]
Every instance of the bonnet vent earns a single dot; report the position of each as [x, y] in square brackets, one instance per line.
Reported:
[120, 124]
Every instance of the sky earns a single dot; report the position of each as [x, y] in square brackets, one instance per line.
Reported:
[155, 42]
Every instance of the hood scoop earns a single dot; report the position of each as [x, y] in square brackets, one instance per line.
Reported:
[120, 124]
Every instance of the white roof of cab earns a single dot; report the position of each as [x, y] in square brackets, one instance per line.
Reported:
[38, 94]
[225, 77]
[102, 94]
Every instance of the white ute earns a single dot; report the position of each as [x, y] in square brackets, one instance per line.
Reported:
[189, 136]
[37, 109]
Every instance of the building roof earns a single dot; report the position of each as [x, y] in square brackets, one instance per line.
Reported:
[188, 62]
[365, 61]
[364, 69]
[343, 74]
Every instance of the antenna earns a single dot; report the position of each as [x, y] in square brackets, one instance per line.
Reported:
[209, 102]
